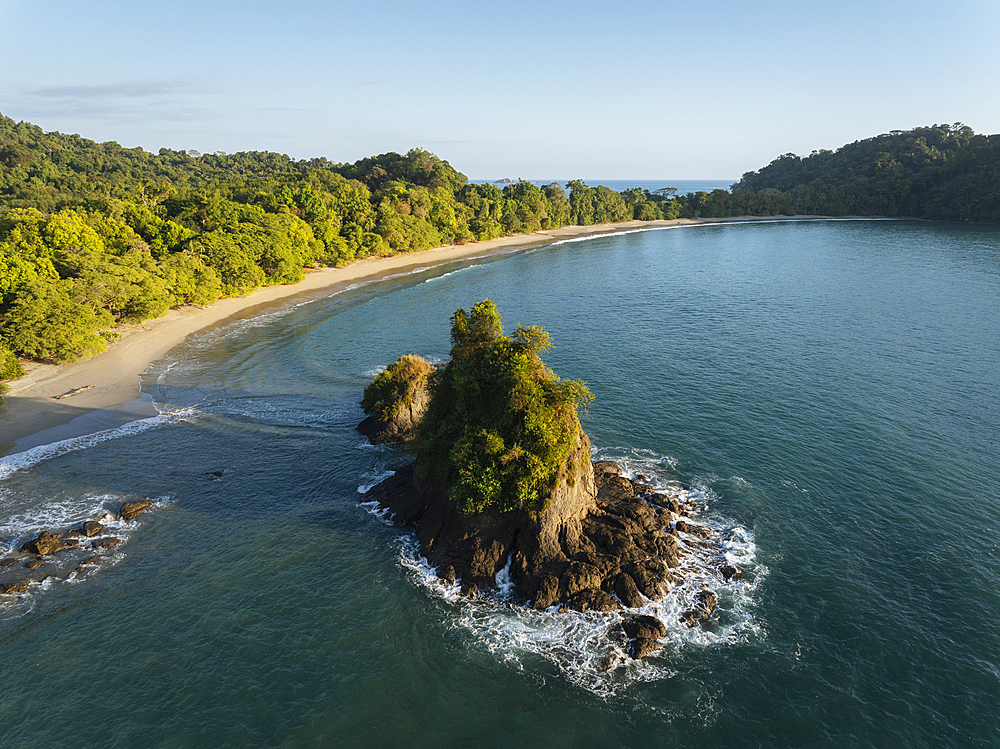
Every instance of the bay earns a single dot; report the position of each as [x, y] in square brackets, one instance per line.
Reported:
[827, 390]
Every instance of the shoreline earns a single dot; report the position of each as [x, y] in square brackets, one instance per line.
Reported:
[34, 416]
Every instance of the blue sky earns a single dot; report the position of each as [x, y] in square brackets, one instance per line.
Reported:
[545, 89]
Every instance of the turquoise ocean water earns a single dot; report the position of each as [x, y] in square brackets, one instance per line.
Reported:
[828, 391]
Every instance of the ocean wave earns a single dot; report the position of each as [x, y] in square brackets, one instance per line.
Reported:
[370, 281]
[11, 464]
[372, 478]
[451, 273]
[582, 645]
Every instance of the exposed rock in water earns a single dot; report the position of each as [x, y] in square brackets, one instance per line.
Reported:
[8, 562]
[17, 586]
[643, 633]
[598, 547]
[397, 399]
[729, 572]
[704, 606]
[92, 528]
[34, 564]
[504, 483]
[594, 599]
[132, 510]
[48, 543]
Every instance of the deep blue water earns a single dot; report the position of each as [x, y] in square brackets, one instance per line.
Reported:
[829, 390]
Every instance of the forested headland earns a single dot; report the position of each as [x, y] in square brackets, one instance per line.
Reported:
[94, 234]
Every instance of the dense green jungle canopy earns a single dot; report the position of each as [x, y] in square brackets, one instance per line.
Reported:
[94, 234]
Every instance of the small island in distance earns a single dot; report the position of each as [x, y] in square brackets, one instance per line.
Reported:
[503, 487]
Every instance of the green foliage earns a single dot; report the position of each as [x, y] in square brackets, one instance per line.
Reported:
[190, 280]
[396, 387]
[137, 231]
[500, 427]
[476, 329]
[937, 172]
[232, 257]
[47, 322]
[10, 366]
[533, 338]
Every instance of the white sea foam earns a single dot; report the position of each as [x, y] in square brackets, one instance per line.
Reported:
[451, 273]
[24, 460]
[369, 282]
[582, 645]
[59, 515]
[372, 478]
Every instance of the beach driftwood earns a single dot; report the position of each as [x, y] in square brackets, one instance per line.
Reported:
[74, 391]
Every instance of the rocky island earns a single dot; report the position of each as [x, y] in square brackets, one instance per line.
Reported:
[503, 482]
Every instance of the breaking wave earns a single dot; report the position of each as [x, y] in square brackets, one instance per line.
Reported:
[587, 648]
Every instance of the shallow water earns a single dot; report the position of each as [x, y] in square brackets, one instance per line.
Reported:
[828, 391]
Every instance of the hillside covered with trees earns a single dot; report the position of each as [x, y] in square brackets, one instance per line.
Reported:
[94, 234]
[943, 172]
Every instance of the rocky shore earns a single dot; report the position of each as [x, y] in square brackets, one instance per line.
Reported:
[65, 553]
[608, 543]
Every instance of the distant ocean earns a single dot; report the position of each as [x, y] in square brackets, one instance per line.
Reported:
[683, 186]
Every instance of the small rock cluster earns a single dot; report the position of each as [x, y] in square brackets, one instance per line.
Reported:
[48, 543]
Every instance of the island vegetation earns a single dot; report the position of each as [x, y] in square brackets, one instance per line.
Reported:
[503, 482]
[500, 428]
[93, 235]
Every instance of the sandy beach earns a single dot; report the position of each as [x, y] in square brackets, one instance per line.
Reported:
[34, 416]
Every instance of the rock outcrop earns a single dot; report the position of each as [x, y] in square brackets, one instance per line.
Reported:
[132, 510]
[643, 635]
[396, 402]
[55, 548]
[504, 487]
[605, 542]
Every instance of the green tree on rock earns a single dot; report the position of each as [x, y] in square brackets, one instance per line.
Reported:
[501, 428]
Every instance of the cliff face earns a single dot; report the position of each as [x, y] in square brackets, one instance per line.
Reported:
[604, 543]
[475, 547]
